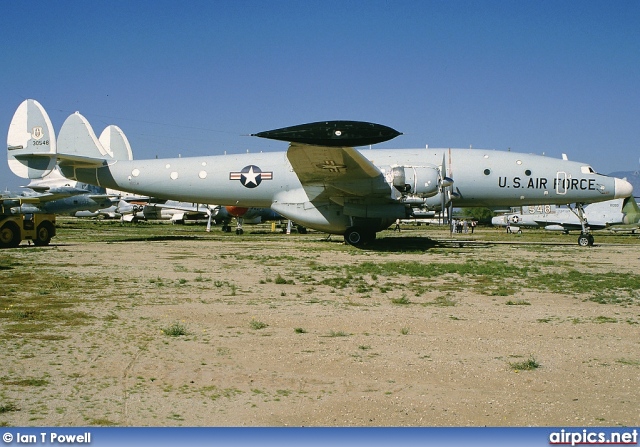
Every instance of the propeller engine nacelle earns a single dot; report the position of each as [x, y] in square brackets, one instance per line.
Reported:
[419, 181]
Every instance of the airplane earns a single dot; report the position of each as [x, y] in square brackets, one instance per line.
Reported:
[617, 214]
[179, 212]
[321, 181]
[13, 200]
[110, 212]
[64, 199]
[33, 202]
[251, 216]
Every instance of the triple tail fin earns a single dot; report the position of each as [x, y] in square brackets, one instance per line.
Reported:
[32, 148]
[78, 145]
[115, 141]
[31, 141]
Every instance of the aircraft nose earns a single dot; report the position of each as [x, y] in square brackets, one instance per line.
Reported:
[623, 188]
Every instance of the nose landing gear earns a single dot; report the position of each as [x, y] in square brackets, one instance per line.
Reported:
[586, 238]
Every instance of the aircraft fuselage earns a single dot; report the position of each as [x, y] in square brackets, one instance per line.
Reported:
[481, 178]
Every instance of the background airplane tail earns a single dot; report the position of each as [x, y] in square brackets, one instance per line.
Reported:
[631, 210]
[92, 189]
[31, 141]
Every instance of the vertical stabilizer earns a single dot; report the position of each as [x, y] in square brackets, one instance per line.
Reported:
[114, 140]
[77, 138]
[631, 210]
[31, 141]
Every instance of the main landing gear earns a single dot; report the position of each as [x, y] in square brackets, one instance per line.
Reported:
[226, 228]
[359, 236]
[240, 222]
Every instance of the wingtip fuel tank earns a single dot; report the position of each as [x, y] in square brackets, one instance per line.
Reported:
[333, 133]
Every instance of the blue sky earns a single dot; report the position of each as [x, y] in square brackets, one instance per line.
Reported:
[195, 77]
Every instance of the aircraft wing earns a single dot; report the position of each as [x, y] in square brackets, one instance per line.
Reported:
[336, 172]
[624, 227]
[570, 225]
[188, 209]
[38, 197]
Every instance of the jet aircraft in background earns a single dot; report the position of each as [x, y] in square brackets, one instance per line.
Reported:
[617, 214]
[57, 200]
[251, 216]
[179, 212]
[176, 212]
[321, 181]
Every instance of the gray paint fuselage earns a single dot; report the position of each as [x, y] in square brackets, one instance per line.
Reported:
[481, 177]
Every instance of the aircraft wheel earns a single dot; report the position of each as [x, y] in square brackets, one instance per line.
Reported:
[585, 240]
[44, 234]
[354, 237]
[358, 237]
[9, 235]
[239, 231]
[302, 230]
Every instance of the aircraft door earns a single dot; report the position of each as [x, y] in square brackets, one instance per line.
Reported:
[561, 183]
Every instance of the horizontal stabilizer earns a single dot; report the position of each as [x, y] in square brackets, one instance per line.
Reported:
[31, 141]
[78, 161]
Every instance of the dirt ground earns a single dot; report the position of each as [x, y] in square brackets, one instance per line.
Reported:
[294, 331]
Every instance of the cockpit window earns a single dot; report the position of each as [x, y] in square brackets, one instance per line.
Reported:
[587, 170]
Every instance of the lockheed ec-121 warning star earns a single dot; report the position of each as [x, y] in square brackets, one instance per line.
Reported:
[321, 181]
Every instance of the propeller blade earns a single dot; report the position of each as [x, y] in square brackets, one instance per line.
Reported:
[446, 188]
[443, 176]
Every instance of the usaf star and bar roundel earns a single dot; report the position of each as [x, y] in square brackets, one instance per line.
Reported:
[251, 176]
